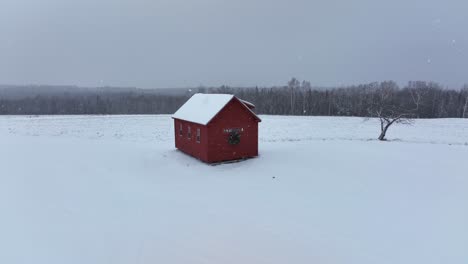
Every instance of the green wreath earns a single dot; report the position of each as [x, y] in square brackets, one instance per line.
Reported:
[234, 138]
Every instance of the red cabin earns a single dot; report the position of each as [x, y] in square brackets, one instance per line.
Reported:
[216, 128]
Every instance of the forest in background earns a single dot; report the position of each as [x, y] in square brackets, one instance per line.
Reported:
[422, 99]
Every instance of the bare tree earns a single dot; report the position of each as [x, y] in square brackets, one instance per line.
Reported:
[305, 87]
[386, 108]
[293, 85]
[465, 107]
[416, 96]
[390, 116]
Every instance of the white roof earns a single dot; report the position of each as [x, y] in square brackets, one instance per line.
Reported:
[201, 108]
[247, 103]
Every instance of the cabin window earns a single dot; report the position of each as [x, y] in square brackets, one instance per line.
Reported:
[180, 129]
[189, 133]
[198, 135]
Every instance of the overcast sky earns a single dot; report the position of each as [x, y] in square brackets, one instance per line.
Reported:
[180, 43]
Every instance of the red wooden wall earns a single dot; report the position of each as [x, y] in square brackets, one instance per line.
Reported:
[190, 145]
[233, 115]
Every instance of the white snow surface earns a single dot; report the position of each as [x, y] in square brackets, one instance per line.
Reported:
[112, 189]
[201, 108]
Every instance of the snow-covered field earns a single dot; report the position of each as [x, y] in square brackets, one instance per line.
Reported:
[112, 189]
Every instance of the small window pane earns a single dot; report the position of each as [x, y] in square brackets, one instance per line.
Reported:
[189, 133]
[198, 135]
[180, 129]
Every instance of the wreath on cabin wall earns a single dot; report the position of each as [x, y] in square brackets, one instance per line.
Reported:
[234, 137]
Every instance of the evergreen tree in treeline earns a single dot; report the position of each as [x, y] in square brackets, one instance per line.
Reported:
[425, 99]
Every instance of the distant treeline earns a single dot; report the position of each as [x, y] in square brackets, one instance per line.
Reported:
[425, 99]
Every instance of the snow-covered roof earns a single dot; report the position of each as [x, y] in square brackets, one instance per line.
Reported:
[201, 108]
[248, 104]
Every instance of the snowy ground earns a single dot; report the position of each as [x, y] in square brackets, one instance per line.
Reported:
[112, 189]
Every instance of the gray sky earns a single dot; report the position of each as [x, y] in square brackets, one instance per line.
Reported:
[179, 43]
